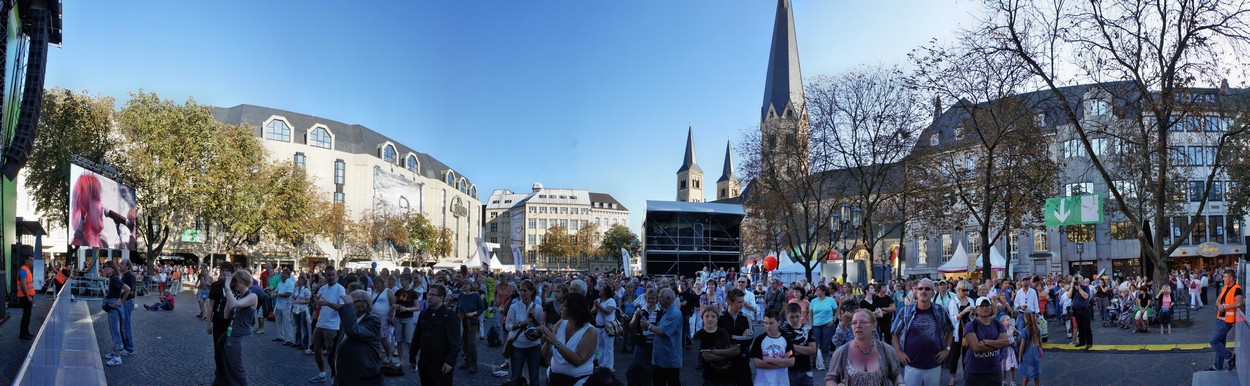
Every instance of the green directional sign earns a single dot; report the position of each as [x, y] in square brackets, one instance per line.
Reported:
[1074, 210]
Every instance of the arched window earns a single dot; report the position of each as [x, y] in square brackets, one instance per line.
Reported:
[403, 204]
[473, 190]
[451, 179]
[277, 130]
[411, 163]
[320, 137]
[389, 154]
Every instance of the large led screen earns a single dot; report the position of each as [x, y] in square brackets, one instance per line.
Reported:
[101, 211]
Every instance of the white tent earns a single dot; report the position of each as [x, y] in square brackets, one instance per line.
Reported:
[959, 261]
[792, 272]
[495, 264]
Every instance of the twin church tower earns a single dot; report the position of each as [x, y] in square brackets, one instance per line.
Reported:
[784, 128]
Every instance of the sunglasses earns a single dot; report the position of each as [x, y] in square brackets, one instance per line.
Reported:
[924, 288]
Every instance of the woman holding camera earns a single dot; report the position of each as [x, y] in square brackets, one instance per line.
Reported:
[646, 312]
[524, 317]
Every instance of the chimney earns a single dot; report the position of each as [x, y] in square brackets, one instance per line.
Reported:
[937, 108]
[1224, 86]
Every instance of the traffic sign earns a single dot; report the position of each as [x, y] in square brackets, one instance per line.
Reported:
[1074, 210]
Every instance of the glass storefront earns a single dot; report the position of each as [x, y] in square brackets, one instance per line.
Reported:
[1126, 267]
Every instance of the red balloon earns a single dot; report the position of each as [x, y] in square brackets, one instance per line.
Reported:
[770, 263]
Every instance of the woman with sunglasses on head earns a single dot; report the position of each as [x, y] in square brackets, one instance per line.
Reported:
[961, 311]
[985, 336]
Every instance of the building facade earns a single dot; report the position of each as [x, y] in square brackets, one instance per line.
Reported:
[522, 220]
[1111, 246]
[367, 171]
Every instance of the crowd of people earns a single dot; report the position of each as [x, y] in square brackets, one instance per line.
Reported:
[566, 327]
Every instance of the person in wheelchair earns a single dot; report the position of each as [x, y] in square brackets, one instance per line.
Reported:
[166, 303]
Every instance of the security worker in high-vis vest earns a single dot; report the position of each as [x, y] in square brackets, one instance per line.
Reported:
[1228, 302]
[26, 295]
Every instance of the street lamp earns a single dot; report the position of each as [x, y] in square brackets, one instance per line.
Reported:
[851, 217]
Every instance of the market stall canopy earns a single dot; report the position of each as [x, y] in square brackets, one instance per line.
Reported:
[959, 261]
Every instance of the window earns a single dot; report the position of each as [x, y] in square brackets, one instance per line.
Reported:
[1039, 240]
[533, 209]
[494, 227]
[1215, 226]
[564, 210]
[533, 223]
[277, 130]
[1123, 230]
[1099, 145]
[542, 209]
[598, 221]
[299, 160]
[1196, 156]
[532, 237]
[1209, 155]
[933, 140]
[958, 133]
[1040, 119]
[682, 185]
[1079, 188]
[320, 137]
[1073, 148]
[564, 224]
[974, 244]
[1178, 156]
[339, 171]
[1128, 189]
[1217, 191]
[451, 179]
[1098, 108]
[1199, 233]
[922, 251]
[338, 197]
[411, 163]
[1196, 188]
[389, 154]
[948, 248]
[1080, 233]
[542, 223]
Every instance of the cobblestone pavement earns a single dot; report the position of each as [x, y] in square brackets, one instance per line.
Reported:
[16, 349]
[172, 348]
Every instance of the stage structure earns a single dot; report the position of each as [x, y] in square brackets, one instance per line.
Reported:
[29, 27]
[680, 238]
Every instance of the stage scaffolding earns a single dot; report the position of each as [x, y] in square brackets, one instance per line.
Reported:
[680, 238]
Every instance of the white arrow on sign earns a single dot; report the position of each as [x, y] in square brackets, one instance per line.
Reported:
[1062, 213]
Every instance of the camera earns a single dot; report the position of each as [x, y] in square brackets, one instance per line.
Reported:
[532, 333]
[642, 314]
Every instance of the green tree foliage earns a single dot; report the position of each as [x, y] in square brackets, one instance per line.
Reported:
[425, 237]
[71, 123]
[558, 243]
[163, 153]
[619, 236]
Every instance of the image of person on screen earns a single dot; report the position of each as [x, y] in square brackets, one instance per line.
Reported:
[87, 212]
[127, 232]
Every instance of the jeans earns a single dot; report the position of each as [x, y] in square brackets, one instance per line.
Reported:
[282, 317]
[115, 326]
[642, 351]
[525, 359]
[301, 329]
[1219, 341]
[128, 336]
[922, 377]
[824, 339]
[800, 378]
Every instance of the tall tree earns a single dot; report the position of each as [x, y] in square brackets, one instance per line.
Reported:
[74, 123]
[163, 150]
[1162, 50]
[619, 236]
[237, 190]
[557, 244]
[867, 119]
[988, 170]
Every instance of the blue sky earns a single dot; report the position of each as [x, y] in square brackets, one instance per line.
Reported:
[579, 94]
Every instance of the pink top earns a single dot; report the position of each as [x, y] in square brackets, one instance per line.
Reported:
[1167, 300]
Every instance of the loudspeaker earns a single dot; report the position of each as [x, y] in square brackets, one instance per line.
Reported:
[18, 151]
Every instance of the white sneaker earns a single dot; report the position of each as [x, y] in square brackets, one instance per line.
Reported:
[321, 377]
[114, 362]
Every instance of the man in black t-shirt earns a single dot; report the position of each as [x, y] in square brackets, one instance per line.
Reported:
[715, 350]
[217, 323]
[689, 301]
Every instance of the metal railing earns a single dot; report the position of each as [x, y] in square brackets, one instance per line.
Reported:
[65, 351]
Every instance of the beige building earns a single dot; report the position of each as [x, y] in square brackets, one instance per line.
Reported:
[367, 171]
[523, 219]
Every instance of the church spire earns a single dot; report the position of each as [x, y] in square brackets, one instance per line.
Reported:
[728, 173]
[784, 82]
[689, 162]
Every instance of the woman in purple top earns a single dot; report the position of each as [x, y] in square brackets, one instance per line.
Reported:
[985, 337]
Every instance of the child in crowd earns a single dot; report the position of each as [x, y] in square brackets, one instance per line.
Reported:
[800, 337]
[715, 350]
[771, 353]
[1007, 355]
[1030, 352]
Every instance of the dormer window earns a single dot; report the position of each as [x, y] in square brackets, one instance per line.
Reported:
[389, 154]
[320, 137]
[1098, 108]
[933, 140]
[451, 179]
[278, 130]
[410, 163]
[1040, 119]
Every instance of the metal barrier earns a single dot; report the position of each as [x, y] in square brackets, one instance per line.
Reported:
[65, 351]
